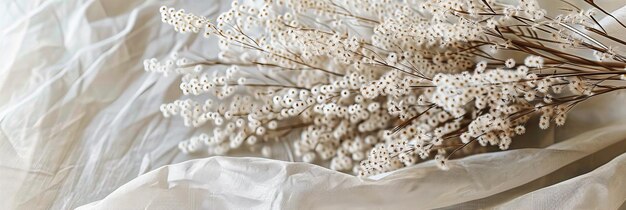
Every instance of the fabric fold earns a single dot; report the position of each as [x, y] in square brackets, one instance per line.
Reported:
[252, 183]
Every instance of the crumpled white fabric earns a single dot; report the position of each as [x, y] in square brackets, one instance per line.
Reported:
[252, 183]
[80, 126]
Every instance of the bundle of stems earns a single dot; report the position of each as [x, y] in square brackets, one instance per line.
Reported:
[371, 86]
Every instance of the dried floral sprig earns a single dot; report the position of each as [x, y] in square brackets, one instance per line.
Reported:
[376, 85]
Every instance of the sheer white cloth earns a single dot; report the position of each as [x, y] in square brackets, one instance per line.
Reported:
[80, 126]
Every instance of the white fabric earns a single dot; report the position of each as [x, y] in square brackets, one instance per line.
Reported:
[80, 125]
[249, 183]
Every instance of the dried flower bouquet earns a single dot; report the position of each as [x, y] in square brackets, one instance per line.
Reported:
[371, 86]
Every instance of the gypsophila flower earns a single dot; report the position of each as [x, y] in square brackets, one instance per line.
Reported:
[382, 87]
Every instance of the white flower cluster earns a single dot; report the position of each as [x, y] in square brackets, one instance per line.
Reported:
[371, 86]
[490, 106]
[183, 22]
[174, 66]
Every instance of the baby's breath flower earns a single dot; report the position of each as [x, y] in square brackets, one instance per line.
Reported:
[413, 87]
